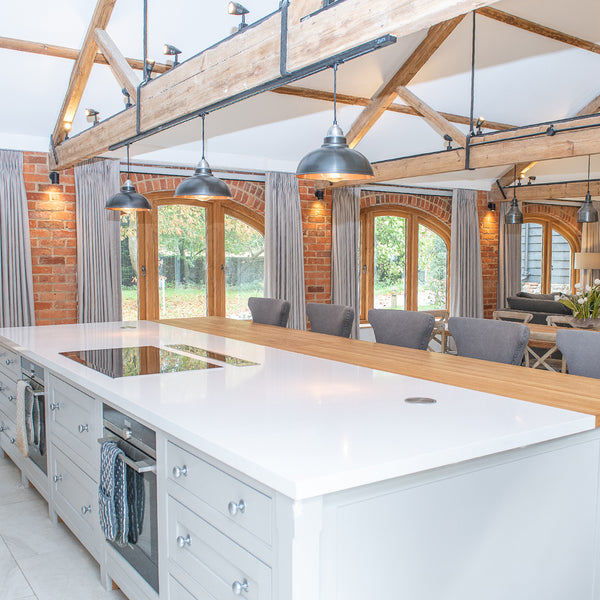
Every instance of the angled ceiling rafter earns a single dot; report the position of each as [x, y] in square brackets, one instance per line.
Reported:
[121, 69]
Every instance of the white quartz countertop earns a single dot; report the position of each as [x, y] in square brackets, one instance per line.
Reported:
[301, 425]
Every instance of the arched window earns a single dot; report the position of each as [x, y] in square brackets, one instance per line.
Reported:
[404, 260]
[547, 250]
[195, 259]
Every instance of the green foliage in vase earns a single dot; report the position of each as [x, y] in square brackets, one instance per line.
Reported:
[585, 304]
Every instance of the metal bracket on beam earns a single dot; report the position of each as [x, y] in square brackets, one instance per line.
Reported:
[53, 148]
[284, 5]
[501, 189]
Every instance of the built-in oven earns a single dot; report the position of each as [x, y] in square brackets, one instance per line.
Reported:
[138, 443]
[35, 412]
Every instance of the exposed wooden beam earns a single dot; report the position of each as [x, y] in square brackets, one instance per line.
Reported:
[554, 34]
[590, 108]
[553, 191]
[118, 64]
[82, 69]
[69, 53]
[528, 144]
[252, 58]
[433, 118]
[301, 92]
[387, 94]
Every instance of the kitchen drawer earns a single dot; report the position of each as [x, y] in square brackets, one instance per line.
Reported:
[214, 563]
[75, 421]
[8, 439]
[9, 363]
[8, 395]
[178, 592]
[240, 503]
[75, 497]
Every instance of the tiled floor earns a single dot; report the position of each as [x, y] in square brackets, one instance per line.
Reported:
[40, 560]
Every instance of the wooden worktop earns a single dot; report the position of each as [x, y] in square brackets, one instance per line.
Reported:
[571, 392]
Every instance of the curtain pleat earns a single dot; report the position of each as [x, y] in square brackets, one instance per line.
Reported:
[345, 251]
[590, 242]
[509, 257]
[16, 278]
[284, 256]
[466, 284]
[98, 242]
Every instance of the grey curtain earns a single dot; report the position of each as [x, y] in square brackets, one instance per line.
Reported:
[284, 256]
[345, 251]
[466, 285]
[98, 242]
[16, 279]
[509, 257]
[590, 242]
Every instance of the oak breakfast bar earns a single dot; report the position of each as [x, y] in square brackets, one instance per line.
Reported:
[298, 466]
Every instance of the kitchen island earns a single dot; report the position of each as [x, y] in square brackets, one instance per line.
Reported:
[298, 477]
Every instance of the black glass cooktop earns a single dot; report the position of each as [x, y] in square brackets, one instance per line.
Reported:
[137, 360]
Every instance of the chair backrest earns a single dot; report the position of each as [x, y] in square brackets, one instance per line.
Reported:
[581, 350]
[332, 319]
[512, 315]
[410, 329]
[486, 339]
[559, 320]
[269, 311]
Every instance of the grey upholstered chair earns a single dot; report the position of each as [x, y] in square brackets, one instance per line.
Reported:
[332, 319]
[581, 350]
[486, 339]
[406, 328]
[269, 311]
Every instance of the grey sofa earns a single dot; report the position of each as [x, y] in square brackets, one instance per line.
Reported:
[539, 305]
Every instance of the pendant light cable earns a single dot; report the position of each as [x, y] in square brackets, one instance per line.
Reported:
[203, 117]
[589, 162]
[128, 174]
[335, 67]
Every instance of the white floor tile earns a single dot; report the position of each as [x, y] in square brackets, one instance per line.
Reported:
[13, 584]
[11, 488]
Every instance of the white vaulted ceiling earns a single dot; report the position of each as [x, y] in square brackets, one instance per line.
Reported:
[521, 78]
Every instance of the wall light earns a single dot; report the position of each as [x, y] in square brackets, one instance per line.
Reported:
[479, 125]
[91, 115]
[170, 50]
[54, 177]
[235, 8]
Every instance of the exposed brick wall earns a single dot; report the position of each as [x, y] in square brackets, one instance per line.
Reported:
[436, 206]
[488, 239]
[567, 215]
[53, 241]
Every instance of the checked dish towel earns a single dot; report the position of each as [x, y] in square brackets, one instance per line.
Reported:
[112, 494]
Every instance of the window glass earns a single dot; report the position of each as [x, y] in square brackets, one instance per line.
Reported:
[433, 261]
[390, 262]
[181, 261]
[244, 266]
[560, 275]
[531, 257]
[129, 266]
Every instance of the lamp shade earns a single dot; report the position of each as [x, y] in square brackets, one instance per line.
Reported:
[587, 260]
[587, 213]
[513, 216]
[334, 160]
[128, 199]
[203, 185]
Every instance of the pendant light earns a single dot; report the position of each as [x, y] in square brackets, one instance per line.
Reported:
[334, 160]
[203, 185]
[587, 213]
[514, 216]
[128, 198]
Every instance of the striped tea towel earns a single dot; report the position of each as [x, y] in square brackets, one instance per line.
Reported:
[112, 494]
[24, 417]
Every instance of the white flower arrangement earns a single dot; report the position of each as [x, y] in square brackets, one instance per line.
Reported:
[585, 303]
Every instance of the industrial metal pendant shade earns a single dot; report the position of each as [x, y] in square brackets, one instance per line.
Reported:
[203, 185]
[514, 216]
[128, 198]
[334, 160]
[587, 213]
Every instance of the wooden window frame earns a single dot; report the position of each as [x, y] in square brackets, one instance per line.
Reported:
[414, 218]
[548, 224]
[148, 293]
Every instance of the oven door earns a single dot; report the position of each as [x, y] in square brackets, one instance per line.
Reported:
[141, 551]
[36, 436]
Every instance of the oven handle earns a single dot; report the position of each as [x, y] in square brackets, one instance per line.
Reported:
[141, 466]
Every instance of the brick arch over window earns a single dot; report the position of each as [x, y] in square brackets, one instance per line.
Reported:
[437, 207]
[561, 218]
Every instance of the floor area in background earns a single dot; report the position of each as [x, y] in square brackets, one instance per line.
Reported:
[40, 560]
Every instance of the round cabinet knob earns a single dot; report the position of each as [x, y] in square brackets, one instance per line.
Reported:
[179, 471]
[12, 440]
[54, 406]
[127, 433]
[57, 478]
[9, 362]
[238, 587]
[182, 542]
[83, 428]
[3, 427]
[86, 509]
[236, 507]
[12, 398]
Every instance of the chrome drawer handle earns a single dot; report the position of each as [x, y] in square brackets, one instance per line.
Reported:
[55, 406]
[57, 478]
[12, 398]
[83, 428]
[182, 542]
[238, 587]
[179, 471]
[86, 509]
[9, 362]
[235, 507]
[3, 428]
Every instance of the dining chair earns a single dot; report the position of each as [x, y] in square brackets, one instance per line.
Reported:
[559, 320]
[512, 315]
[486, 339]
[439, 333]
[331, 319]
[269, 311]
[581, 350]
[407, 328]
